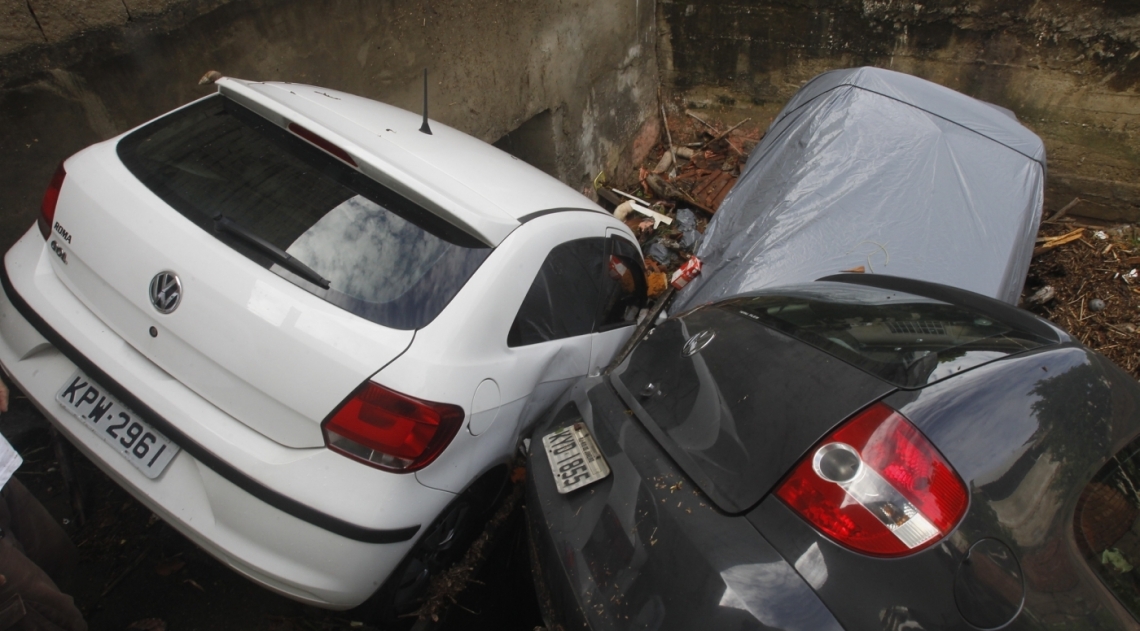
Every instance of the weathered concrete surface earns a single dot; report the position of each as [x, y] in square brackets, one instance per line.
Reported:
[1068, 68]
[493, 65]
[18, 28]
[63, 19]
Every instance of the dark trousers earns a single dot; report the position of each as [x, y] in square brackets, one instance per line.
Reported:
[36, 557]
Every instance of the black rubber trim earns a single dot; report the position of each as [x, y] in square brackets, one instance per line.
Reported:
[550, 211]
[221, 467]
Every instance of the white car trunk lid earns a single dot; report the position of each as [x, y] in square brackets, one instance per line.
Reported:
[299, 279]
[268, 353]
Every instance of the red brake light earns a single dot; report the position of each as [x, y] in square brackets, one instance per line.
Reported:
[51, 196]
[877, 485]
[391, 431]
[341, 154]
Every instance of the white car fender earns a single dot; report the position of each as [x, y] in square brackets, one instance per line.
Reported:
[466, 347]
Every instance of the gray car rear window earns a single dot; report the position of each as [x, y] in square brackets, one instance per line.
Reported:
[907, 340]
[384, 257]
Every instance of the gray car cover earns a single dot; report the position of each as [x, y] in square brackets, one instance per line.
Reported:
[881, 170]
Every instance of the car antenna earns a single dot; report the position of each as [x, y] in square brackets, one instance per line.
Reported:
[425, 128]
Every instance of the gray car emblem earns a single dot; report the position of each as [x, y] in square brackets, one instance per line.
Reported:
[697, 342]
[165, 291]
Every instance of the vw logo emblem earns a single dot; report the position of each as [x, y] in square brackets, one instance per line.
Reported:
[165, 291]
[694, 344]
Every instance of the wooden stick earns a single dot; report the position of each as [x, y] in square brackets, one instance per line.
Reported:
[669, 137]
[1058, 241]
[1061, 213]
[701, 120]
[724, 133]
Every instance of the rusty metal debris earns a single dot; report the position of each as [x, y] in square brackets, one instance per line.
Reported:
[679, 187]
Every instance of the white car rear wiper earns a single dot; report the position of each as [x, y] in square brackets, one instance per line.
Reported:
[279, 256]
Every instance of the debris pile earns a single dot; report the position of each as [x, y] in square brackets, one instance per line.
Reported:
[679, 188]
[1086, 279]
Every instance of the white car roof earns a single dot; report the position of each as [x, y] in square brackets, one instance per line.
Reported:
[480, 189]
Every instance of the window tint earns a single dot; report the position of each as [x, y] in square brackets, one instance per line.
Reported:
[566, 294]
[908, 340]
[278, 200]
[624, 284]
[1107, 525]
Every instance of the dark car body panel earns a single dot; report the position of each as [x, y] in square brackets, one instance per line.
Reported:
[619, 542]
[1075, 409]
[796, 392]
[1026, 433]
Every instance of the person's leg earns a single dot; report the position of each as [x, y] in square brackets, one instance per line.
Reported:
[43, 540]
[29, 598]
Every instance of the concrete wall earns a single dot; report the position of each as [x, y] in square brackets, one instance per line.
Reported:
[1068, 68]
[73, 72]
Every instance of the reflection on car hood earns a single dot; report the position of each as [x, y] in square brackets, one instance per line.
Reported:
[739, 412]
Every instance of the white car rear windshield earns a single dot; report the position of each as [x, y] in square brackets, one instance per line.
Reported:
[303, 214]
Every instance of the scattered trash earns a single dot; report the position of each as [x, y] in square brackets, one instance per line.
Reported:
[1096, 304]
[192, 583]
[677, 190]
[631, 205]
[623, 210]
[687, 224]
[1042, 296]
[686, 273]
[658, 252]
[1101, 235]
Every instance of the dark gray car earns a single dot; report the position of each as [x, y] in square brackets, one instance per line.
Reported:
[862, 452]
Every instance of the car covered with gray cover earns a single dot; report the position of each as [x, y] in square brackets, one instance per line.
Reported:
[881, 171]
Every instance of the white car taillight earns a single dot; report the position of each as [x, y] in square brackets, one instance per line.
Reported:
[51, 197]
[877, 485]
[391, 431]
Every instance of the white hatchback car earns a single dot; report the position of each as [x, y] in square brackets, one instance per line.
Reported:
[308, 335]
